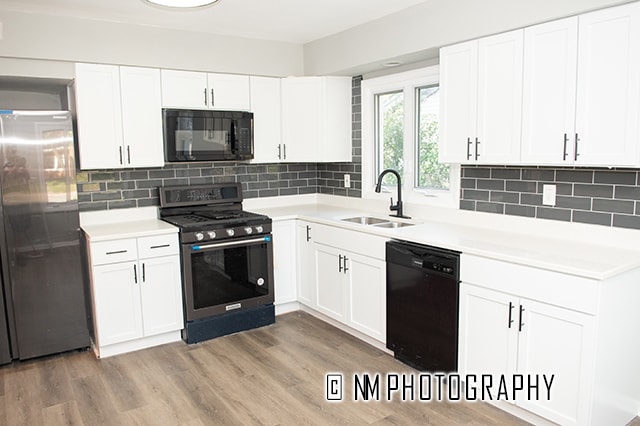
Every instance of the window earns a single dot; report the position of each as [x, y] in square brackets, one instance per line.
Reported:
[389, 136]
[400, 132]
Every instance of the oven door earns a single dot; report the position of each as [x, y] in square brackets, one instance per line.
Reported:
[221, 277]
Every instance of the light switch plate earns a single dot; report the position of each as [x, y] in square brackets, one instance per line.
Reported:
[549, 195]
[347, 181]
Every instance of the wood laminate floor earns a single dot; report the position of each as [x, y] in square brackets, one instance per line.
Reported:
[274, 375]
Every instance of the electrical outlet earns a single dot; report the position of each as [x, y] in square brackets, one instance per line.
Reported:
[549, 195]
[347, 181]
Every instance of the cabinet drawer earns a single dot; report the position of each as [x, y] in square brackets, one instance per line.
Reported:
[555, 288]
[114, 251]
[158, 245]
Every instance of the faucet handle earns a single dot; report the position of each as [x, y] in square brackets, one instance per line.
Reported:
[392, 207]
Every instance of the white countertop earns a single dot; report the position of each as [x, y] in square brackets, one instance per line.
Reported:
[107, 225]
[131, 229]
[589, 260]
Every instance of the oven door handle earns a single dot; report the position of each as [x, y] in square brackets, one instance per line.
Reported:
[266, 238]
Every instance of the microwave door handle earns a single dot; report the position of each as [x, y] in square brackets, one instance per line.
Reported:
[234, 135]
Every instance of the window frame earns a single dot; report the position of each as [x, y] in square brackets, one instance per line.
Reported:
[409, 82]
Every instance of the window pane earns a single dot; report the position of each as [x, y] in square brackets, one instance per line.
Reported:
[389, 134]
[431, 174]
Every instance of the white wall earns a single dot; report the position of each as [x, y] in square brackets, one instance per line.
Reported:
[418, 32]
[54, 38]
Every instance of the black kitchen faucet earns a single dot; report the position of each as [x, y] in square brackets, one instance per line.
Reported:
[397, 207]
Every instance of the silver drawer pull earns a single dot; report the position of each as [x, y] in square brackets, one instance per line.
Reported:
[117, 252]
[161, 246]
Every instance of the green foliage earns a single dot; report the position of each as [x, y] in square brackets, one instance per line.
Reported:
[392, 132]
[431, 174]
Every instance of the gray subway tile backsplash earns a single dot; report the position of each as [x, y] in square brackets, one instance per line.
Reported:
[607, 197]
[599, 196]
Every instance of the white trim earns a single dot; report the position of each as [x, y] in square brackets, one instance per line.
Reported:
[407, 81]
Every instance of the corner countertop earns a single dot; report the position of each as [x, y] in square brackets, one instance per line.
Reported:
[588, 260]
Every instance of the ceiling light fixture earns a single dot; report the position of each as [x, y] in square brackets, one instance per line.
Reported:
[392, 64]
[183, 4]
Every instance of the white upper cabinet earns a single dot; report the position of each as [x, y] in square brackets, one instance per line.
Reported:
[549, 92]
[141, 117]
[608, 90]
[97, 89]
[566, 92]
[316, 119]
[481, 83]
[458, 100]
[198, 90]
[119, 117]
[267, 119]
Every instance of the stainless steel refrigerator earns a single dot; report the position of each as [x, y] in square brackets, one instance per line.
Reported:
[42, 275]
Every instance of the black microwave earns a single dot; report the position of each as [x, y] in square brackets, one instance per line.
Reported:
[205, 135]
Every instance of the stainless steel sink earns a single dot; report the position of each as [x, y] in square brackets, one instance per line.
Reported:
[392, 224]
[375, 221]
[366, 220]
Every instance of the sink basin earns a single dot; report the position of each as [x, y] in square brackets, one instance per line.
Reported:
[366, 220]
[392, 224]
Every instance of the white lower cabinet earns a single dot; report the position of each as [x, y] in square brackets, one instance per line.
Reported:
[349, 277]
[518, 320]
[502, 334]
[306, 263]
[136, 293]
[284, 272]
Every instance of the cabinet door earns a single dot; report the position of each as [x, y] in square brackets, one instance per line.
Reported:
[488, 335]
[549, 92]
[228, 91]
[336, 142]
[500, 98]
[184, 89]
[161, 289]
[458, 101]
[306, 263]
[116, 301]
[367, 295]
[141, 117]
[559, 342]
[99, 112]
[284, 265]
[331, 292]
[301, 118]
[267, 119]
[608, 93]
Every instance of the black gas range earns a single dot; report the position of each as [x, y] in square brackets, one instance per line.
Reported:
[227, 259]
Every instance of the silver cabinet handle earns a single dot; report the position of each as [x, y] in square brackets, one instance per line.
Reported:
[575, 153]
[205, 96]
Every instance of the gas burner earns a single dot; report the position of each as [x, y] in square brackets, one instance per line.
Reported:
[215, 215]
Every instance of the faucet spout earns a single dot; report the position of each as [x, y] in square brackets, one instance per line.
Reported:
[398, 206]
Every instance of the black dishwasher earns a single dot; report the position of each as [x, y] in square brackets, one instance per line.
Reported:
[422, 305]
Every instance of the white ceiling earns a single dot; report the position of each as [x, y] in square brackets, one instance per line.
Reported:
[295, 21]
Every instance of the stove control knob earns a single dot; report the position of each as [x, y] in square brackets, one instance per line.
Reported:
[259, 229]
[211, 234]
[231, 232]
[248, 230]
[199, 236]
